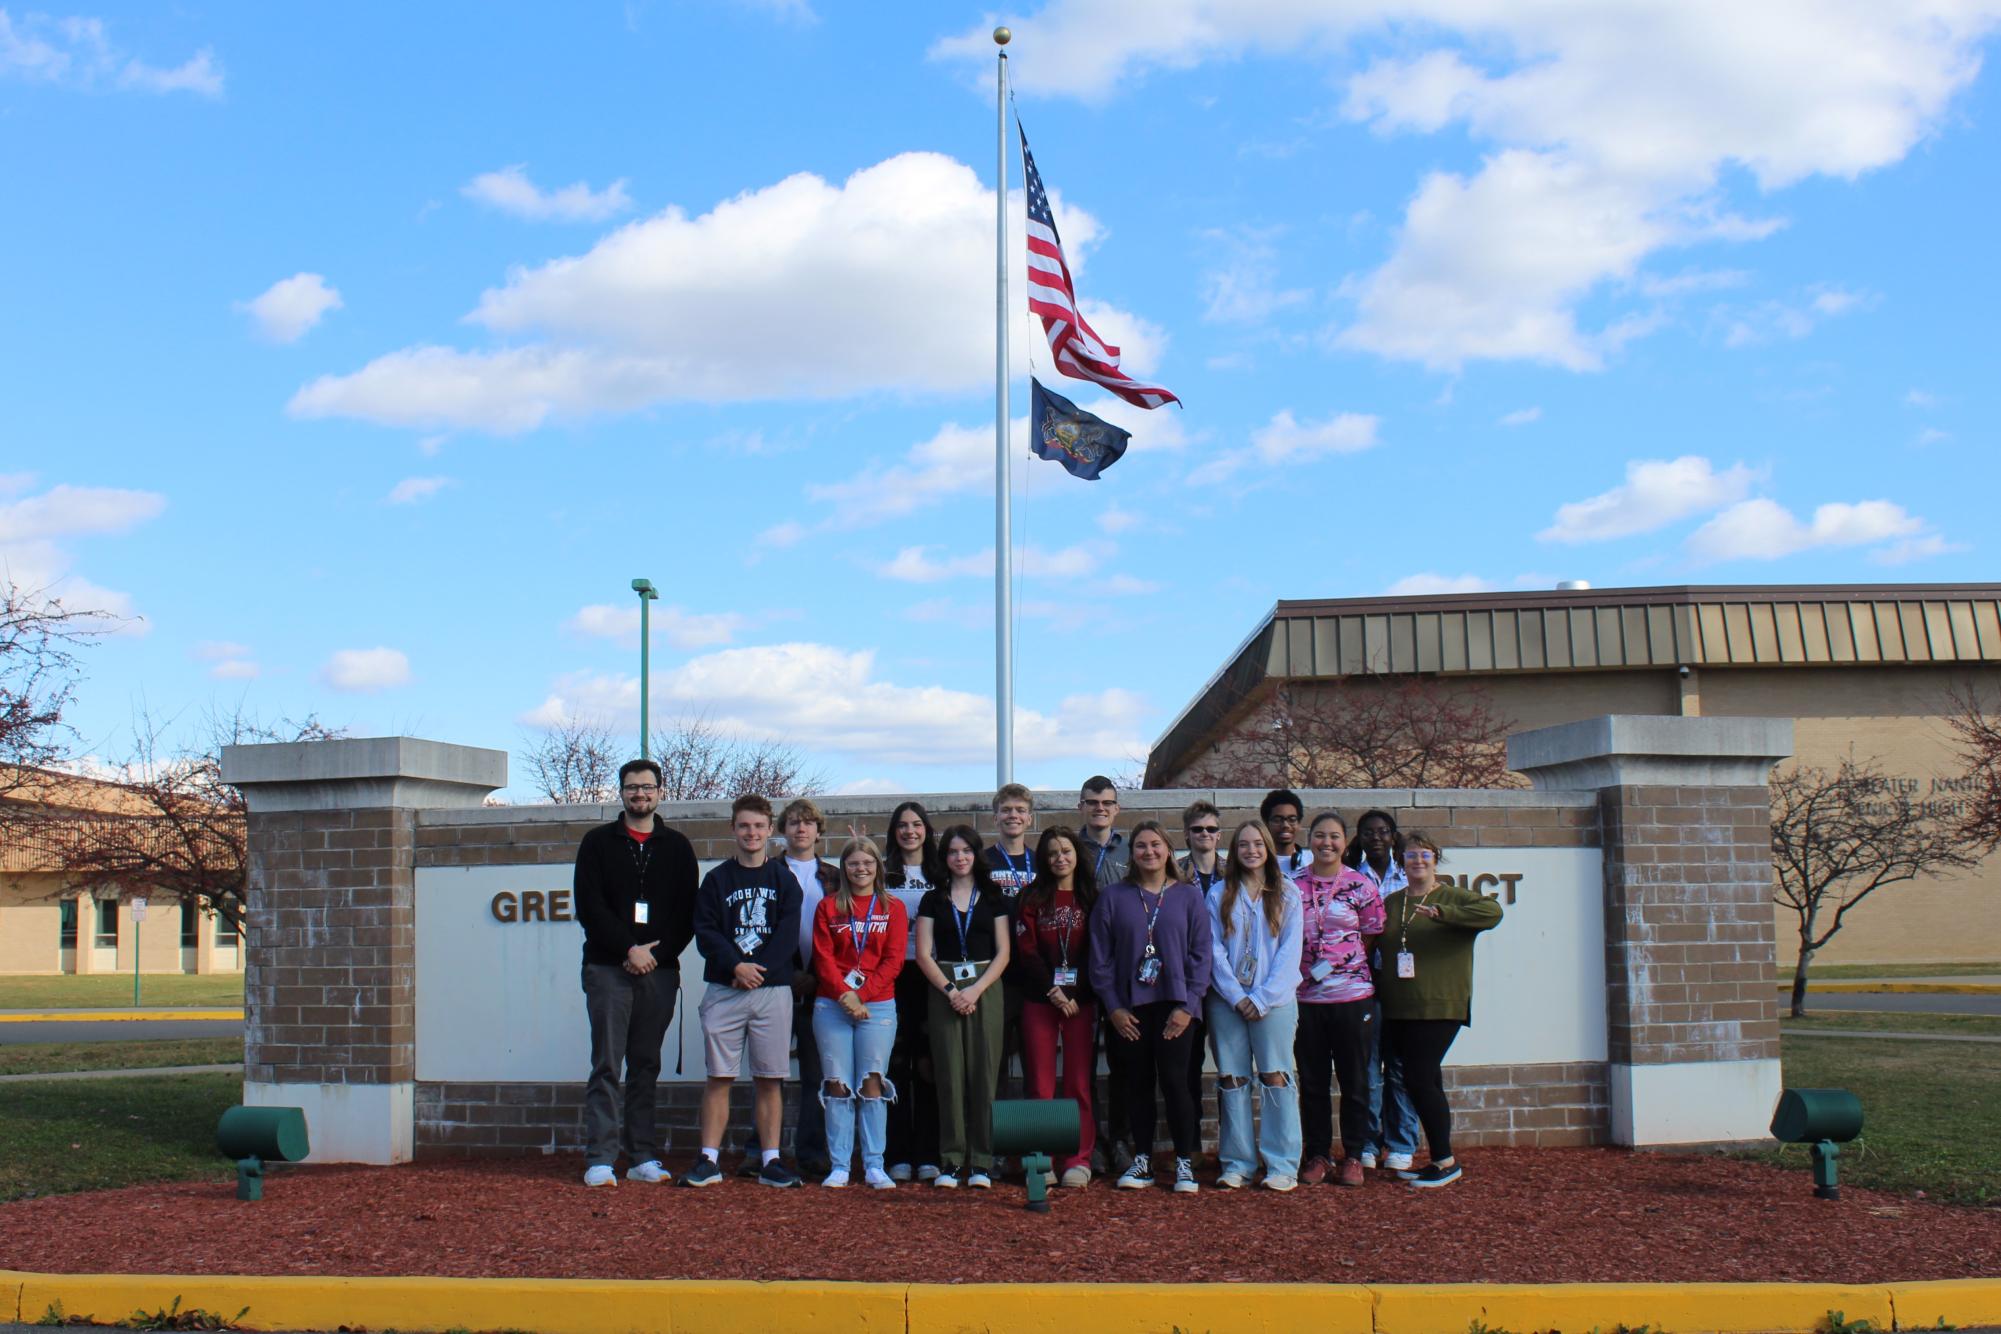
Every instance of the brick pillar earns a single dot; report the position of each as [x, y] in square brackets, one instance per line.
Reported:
[1690, 943]
[330, 950]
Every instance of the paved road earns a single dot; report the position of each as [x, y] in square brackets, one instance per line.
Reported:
[119, 1030]
[1936, 1003]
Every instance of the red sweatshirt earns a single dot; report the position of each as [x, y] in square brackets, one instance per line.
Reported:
[1043, 937]
[884, 927]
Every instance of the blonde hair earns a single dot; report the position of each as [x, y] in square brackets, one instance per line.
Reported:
[844, 893]
[1271, 885]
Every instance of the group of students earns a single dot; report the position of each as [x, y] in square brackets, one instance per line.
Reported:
[912, 975]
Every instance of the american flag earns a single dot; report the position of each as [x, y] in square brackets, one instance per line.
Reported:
[1079, 352]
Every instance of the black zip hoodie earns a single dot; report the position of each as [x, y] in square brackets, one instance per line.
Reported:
[608, 884]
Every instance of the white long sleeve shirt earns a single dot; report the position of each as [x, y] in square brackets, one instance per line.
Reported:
[1253, 961]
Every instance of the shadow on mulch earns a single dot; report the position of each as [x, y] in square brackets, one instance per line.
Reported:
[1519, 1216]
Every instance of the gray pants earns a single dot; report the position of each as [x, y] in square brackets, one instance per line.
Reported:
[629, 1017]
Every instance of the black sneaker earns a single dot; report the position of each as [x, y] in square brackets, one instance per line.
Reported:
[703, 1173]
[752, 1163]
[776, 1173]
[1434, 1175]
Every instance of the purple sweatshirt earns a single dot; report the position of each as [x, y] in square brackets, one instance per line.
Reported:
[1181, 939]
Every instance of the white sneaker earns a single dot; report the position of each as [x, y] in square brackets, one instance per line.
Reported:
[1233, 1181]
[946, 1181]
[899, 1171]
[877, 1179]
[979, 1181]
[837, 1179]
[1139, 1176]
[649, 1171]
[1049, 1178]
[927, 1172]
[1397, 1162]
[1184, 1177]
[600, 1175]
[1281, 1183]
[1368, 1160]
[1077, 1177]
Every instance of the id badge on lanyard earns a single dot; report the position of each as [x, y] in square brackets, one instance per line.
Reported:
[965, 972]
[1064, 977]
[1406, 964]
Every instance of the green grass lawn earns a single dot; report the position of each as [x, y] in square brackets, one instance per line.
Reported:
[1965, 1025]
[1836, 972]
[99, 991]
[91, 1134]
[1928, 1112]
[35, 1058]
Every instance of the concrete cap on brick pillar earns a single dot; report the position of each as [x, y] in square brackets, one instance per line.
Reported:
[375, 772]
[1620, 750]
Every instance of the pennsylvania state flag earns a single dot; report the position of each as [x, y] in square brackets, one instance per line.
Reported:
[1061, 431]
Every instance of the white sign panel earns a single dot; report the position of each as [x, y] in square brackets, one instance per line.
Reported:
[1538, 977]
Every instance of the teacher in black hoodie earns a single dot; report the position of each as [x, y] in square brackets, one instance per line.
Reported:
[635, 899]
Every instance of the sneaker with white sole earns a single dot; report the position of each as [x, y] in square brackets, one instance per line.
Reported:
[899, 1171]
[703, 1172]
[600, 1175]
[1139, 1175]
[776, 1173]
[1184, 1177]
[1281, 1183]
[928, 1172]
[979, 1181]
[877, 1179]
[1433, 1175]
[1075, 1178]
[650, 1171]
[1368, 1160]
[838, 1178]
[1397, 1162]
[1232, 1181]
[947, 1179]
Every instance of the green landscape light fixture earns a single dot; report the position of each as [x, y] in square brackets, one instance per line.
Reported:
[251, 1135]
[1037, 1129]
[647, 594]
[1822, 1118]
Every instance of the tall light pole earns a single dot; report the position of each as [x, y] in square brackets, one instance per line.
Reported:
[647, 594]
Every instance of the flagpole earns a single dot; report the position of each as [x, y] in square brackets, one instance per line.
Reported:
[1003, 520]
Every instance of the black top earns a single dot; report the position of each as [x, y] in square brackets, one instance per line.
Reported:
[748, 914]
[979, 948]
[1009, 875]
[615, 872]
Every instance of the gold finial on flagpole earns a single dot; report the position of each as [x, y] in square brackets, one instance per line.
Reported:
[1002, 36]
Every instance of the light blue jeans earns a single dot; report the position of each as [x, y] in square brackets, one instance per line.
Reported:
[1396, 1117]
[851, 1051]
[1266, 1044]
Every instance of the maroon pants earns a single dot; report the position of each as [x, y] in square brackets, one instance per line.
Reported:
[1041, 1025]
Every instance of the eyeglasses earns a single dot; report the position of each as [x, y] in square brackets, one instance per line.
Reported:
[1206, 830]
[1108, 804]
[1418, 855]
[1283, 819]
[641, 787]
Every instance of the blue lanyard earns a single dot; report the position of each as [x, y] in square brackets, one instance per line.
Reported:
[963, 923]
[1104, 851]
[1151, 917]
[858, 936]
[1027, 867]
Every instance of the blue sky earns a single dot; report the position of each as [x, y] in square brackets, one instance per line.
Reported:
[361, 357]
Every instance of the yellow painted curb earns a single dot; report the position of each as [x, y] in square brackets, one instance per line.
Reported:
[606, 1306]
[115, 1016]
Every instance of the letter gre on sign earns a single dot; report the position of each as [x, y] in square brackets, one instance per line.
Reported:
[532, 905]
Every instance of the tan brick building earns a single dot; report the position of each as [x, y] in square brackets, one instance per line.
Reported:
[47, 928]
[1860, 669]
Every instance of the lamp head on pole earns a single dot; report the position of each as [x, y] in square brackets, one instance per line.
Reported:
[645, 589]
[1002, 36]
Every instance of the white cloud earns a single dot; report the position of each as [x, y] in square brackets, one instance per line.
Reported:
[830, 700]
[1769, 321]
[290, 307]
[683, 629]
[759, 298]
[1656, 492]
[366, 669]
[1416, 585]
[1285, 439]
[34, 529]
[1244, 289]
[510, 191]
[235, 669]
[1762, 529]
[1611, 130]
[1113, 519]
[1932, 435]
[228, 661]
[917, 564]
[1916, 548]
[1521, 417]
[1921, 398]
[413, 489]
[213, 649]
[79, 53]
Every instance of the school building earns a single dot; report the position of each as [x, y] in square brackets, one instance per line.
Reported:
[1865, 670]
[46, 927]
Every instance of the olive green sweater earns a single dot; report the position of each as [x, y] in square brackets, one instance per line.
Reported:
[1443, 987]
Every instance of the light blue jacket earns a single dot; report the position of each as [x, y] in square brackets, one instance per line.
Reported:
[1271, 961]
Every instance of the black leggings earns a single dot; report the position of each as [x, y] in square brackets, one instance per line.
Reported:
[913, 1117]
[1421, 1045]
[1333, 1042]
[1152, 1060]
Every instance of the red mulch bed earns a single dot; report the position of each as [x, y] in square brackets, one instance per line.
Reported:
[1519, 1216]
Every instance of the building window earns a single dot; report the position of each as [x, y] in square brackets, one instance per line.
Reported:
[68, 928]
[107, 924]
[190, 926]
[225, 934]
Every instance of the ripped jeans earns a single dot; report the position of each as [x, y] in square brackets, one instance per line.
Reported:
[1265, 1043]
[851, 1051]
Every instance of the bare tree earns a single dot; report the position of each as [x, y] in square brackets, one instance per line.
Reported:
[1364, 732]
[1978, 729]
[171, 829]
[701, 762]
[1840, 835]
[41, 640]
[575, 762]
